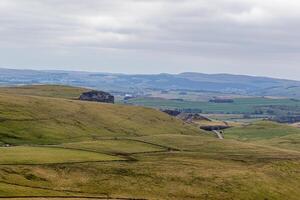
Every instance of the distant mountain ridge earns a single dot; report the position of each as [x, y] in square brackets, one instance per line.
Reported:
[223, 83]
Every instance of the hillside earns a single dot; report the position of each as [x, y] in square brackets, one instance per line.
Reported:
[43, 120]
[223, 83]
[267, 133]
[61, 148]
[57, 91]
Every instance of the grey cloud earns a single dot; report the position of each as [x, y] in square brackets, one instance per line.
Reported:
[241, 36]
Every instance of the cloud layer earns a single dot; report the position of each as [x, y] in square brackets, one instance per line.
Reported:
[151, 36]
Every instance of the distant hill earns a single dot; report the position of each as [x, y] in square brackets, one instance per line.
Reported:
[223, 83]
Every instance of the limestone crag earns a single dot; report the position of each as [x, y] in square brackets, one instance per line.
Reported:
[97, 96]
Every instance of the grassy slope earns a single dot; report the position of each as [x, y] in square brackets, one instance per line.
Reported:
[41, 120]
[202, 167]
[115, 146]
[268, 133]
[58, 91]
[46, 155]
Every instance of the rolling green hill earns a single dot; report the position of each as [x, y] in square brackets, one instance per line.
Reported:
[63, 148]
[267, 133]
[43, 120]
[261, 130]
[58, 91]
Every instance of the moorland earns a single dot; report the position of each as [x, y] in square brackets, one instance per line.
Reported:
[54, 146]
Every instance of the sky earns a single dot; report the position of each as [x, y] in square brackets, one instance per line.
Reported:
[253, 37]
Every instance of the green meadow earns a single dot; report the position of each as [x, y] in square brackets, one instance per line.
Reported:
[267, 133]
[118, 146]
[47, 155]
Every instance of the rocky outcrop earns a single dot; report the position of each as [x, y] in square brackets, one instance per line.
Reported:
[173, 113]
[98, 96]
[191, 117]
[215, 127]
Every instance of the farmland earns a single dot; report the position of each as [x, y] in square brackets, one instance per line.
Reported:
[240, 105]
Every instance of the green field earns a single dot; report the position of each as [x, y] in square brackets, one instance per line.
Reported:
[47, 155]
[267, 133]
[58, 91]
[240, 105]
[67, 148]
[203, 167]
[261, 130]
[120, 146]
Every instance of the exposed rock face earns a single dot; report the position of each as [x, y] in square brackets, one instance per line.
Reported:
[171, 112]
[213, 128]
[190, 117]
[98, 96]
[187, 117]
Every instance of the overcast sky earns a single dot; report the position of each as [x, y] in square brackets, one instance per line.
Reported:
[257, 37]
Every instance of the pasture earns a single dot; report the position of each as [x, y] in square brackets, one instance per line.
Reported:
[43, 120]
[239, 106]
[117, 146]
[267, 133]
[25, 155]
[63, 148]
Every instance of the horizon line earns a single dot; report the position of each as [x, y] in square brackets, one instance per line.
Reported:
[167, 73]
